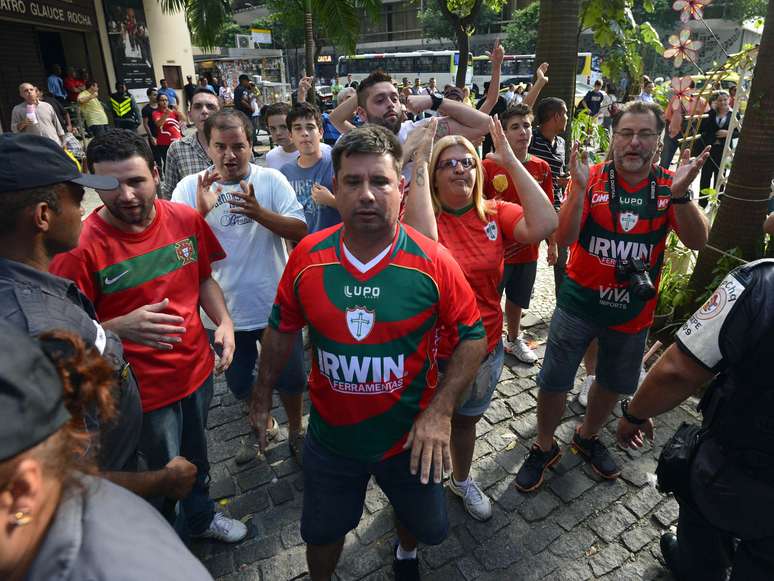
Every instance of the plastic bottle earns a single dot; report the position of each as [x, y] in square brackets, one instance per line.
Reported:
[32, 115]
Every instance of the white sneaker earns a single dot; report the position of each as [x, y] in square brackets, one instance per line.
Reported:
[222, 528]
[477, 504]
[583, 396]
[520, 350]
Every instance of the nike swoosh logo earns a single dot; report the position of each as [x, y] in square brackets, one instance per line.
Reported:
[109, 281]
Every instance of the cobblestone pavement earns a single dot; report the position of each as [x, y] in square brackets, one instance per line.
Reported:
[575, 527]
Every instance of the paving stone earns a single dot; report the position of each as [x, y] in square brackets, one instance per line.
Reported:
[577, 571]
[535, 567]
[285, 565]
[573, 544]
[358, 562]
[481, 448]
[610, 524]
[482, 531]
[275, 518]
[487, 471]
[609, 558]
[638, 537]
[511, 459]
[223, 415]
[375, 500]
[222, 488]
[446, 573]
[483, 427]
[254, 477]
[470, 568]
[526, 427]
[521, 403]
[643, 568]
[521, 369]
[636, 472]
[249, 503]
[506, 374]
[374, 526]
[538, 506]
[244, 573]
[500, 437]
[667, 512]
[542, 535]
[291, 535]
[257, 549]
[220, 564]
[570, 485]
[497, 412]
[285, 468]
[441, 554]
[595, 499]
[281, 492]
[644, 501]
[566, 431]
[231, 430]
[508, 388]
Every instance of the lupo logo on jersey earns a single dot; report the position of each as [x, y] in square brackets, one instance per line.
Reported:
[608, 251]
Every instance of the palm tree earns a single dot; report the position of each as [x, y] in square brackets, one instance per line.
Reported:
[743, 209]
[557, 44]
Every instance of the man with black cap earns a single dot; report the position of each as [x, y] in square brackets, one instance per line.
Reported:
[40, 216]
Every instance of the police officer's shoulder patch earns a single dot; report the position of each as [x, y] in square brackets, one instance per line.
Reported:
[700, 335]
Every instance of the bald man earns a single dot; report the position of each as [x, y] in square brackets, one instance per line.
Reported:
[35, 116]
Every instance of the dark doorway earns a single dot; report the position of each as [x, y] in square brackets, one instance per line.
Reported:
[51, 49]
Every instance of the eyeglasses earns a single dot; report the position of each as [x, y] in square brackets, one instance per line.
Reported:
[465, 162]
[628, 135]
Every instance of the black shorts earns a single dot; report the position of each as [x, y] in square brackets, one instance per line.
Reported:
[518, 280]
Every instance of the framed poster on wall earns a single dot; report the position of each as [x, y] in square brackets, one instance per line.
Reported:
[129, 43]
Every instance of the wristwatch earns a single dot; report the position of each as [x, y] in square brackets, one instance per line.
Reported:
[684, 199]
[436, 102]
[630, 418]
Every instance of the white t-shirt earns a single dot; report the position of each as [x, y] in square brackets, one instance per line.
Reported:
[278, 157]
[255, 256]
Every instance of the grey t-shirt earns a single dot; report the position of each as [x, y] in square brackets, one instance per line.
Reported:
[302, 179]
[104, 532]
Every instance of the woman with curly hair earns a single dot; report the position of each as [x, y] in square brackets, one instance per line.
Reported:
[60, 521]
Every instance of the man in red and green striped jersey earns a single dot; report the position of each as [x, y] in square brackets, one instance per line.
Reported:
[616, 219]
[375, 294]
[146, 264]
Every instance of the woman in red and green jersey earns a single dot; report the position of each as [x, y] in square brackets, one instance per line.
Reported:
[477, 231]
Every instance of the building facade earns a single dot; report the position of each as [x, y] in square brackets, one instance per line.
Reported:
[108, 40]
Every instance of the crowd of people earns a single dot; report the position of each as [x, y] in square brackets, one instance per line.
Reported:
[391, 250]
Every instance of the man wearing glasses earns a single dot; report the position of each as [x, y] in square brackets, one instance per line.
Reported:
[615, 219]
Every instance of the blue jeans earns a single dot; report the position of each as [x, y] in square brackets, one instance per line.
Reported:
[179, 430]
[240, 376]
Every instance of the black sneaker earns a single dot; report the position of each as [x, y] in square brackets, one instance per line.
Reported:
[405, 569]
[596, 453]
[670, 552]
[530, 475]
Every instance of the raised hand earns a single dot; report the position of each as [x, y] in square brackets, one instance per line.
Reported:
[579, 167]
[419, 145]
[687, 170]
[245, 202]
[540, 74]
[503, 154]
[497, 55]
[206, 197]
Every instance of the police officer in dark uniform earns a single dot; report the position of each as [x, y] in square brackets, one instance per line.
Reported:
[722, 473]
[124, 107]
[40, 216]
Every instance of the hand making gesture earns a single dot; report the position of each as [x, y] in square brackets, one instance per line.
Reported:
[579, 167]
[245, 202]
[206, 196]
[687, 170]
[503, 154]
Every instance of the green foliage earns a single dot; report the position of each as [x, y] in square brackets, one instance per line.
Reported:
[435, 25]
[226, 35]
[622, 39]
[521, 33]
[586, 129]
[673, 290]
[205, 18]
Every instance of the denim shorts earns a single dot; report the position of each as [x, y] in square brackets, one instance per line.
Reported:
[335, 489]
[240, 376]
[478, 395]
[618, 363]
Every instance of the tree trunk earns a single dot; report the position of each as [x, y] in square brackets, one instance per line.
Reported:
[463, 45]
[739, 222]
[557, 45]
[309, 37]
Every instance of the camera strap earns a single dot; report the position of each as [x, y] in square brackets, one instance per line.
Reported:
[614, 201]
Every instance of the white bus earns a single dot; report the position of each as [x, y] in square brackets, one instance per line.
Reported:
[520, 68]
[422, 64]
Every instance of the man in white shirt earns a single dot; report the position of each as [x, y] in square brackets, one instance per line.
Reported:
[250, 209]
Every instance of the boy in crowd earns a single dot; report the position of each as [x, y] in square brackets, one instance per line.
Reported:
[520, 259]
[311, 173]
[284, 150]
